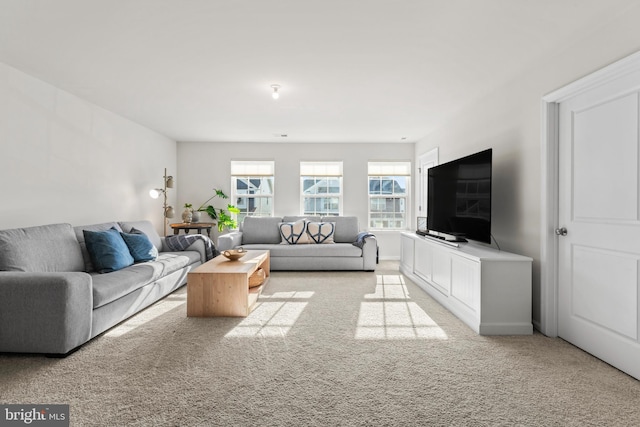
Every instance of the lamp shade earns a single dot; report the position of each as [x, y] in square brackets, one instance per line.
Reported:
[155, 193]
[169, 182]
[169, 212]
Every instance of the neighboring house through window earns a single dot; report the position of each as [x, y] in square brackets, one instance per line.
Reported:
[321, 188]
[389, 194]
[252, 187]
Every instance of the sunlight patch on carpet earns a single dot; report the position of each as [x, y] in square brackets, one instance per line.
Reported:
[396, 320]
[270, 319]
[389, 286]
[393, 315]
[158, 309]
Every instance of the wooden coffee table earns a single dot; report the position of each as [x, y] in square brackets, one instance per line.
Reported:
[220, 287]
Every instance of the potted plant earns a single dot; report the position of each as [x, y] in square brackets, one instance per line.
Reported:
[220, 215]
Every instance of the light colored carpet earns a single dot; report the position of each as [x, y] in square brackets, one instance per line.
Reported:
[325, 349]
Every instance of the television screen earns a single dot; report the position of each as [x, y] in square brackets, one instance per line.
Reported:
[459, 198]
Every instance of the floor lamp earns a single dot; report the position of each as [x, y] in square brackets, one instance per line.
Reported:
[167, 211]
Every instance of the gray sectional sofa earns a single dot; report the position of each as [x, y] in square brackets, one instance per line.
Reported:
[264, 233]
[51, 300]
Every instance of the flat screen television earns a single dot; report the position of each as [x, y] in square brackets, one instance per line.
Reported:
[459, 199]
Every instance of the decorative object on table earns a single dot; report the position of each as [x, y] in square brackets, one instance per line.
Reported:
[223, 219]
[234, 254]
[187, 216]
[195, 215]
[167, 211]
[257, 278]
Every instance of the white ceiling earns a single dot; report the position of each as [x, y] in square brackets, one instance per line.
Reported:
[350, 71]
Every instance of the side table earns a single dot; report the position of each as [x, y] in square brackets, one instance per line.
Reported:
[193, 226]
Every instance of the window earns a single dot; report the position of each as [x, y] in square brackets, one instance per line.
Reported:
[321, 187]
[252, 187]
[389, 194]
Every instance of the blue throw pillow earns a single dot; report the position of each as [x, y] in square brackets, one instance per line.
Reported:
[140, 246]
[107, 250]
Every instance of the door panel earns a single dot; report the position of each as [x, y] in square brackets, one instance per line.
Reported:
[599, 258]
[605, 154]
[605, 289]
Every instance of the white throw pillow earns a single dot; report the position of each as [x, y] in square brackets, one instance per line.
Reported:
[294, 233]
[321, 232]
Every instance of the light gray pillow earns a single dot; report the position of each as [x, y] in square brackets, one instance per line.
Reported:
[261, 229]
[346, 228]
[147, 228]
[45, 248]
[299, 217]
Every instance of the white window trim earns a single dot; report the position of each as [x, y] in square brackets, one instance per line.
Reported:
[253, 168]
[390, 168]
[327, 169]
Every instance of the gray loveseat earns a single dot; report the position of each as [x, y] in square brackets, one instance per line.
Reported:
[264, 233]
[51, 300]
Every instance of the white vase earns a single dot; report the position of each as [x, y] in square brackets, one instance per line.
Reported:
[195, 216]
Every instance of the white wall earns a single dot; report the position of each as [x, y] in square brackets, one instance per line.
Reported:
[63, 159]
[508, 120]
[203, 166]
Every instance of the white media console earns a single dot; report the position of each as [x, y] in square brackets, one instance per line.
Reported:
[488, 289]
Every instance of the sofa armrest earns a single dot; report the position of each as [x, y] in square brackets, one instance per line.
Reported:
[229, 240]
[370, 253]
[44, 312]
[197, 246]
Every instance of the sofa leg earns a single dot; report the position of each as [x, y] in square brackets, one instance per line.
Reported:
[62, 355]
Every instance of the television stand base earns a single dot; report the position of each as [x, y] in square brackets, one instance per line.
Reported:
[488, 289]
[451, 241]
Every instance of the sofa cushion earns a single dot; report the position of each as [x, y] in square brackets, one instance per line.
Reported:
[263, 229]
[88, 265]
[140, 246]
[147, 228]
[321, 232]
[110, 287]
[294, 233]
[346, 228]
[46, 248]
[335, 250]
[107, 250]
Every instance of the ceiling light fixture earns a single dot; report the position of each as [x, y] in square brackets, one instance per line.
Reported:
[275, 93]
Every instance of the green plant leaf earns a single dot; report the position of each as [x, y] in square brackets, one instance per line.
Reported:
[211, 211]
[223, 218]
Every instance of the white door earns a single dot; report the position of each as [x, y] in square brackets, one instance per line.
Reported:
[425, 161]
[599, 257]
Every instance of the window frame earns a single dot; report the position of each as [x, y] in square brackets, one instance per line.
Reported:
[248, 170]
[389, 169]
[323, 170]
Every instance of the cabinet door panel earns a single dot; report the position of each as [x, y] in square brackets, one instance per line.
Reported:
[441, 275]
[407, 248]
[423, 260]
[465, 286]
